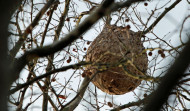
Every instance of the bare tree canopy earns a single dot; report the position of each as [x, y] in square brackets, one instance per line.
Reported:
[135, 52]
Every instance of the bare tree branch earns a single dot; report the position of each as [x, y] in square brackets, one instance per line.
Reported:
[75, 66]
[76, 100]
[70, 106]
[161, 16]
[127, 3]
[62, 19]
[51, 57]
[137, 103]
[169, 81]
[28, 30]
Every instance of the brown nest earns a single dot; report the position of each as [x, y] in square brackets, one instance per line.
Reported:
[111, 46]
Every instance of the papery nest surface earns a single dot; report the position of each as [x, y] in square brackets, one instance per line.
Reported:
[113, 45]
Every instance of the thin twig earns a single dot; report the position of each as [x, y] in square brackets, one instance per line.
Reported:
[21, 40]
[161, 16]
[169, 81]
[74, 66]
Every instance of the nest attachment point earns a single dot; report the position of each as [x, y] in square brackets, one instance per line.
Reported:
[111, 46]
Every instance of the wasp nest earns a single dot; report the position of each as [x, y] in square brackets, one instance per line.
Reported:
[113, 45]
